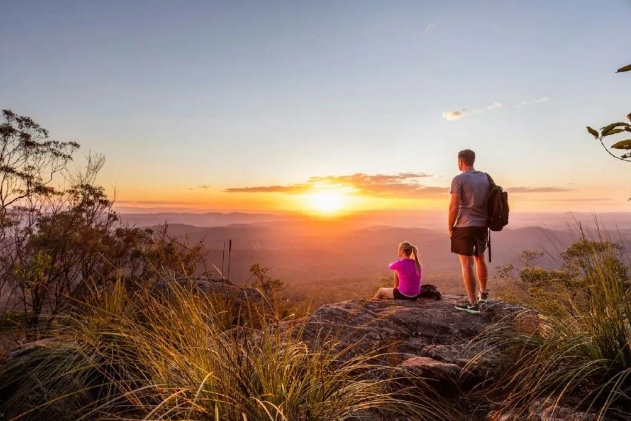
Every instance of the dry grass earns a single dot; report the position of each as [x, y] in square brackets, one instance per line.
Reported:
[574, 345]
[180, 357]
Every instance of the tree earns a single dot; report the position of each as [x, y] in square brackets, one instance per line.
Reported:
[68, 248]
[153, 254]
[265, 283]
[29, 161]
[60, 238]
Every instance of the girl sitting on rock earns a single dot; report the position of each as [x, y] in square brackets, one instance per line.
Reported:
[407, 275]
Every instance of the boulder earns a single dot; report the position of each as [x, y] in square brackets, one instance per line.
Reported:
[424, 336]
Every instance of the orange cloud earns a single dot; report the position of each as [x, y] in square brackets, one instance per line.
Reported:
[204, 187]
[154, 202]
[536, 190]
[290, 189]
[577, 200]
[402, 184]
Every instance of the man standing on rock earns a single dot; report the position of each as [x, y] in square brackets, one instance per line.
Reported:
[468, 228]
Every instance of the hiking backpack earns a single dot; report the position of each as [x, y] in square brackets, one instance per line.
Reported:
[429, 291]
[497, 206]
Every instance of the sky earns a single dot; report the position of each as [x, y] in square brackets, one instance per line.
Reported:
[327, 106]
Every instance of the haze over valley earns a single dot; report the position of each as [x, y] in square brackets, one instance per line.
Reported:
[330, 260]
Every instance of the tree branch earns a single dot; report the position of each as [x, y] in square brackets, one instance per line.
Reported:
[609, 152]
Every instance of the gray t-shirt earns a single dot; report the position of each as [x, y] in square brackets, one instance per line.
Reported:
[473, 188]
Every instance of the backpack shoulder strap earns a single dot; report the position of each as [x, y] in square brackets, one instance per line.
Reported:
[490, 178]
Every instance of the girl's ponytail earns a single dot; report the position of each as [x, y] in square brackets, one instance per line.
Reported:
[409, 249]
[417, 262]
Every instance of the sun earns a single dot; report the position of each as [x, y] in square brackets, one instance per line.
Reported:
[327, 202]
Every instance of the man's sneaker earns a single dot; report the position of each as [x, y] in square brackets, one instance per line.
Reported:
[483, 297]
[469, 308]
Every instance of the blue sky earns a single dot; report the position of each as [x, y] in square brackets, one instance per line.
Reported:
[239, 94]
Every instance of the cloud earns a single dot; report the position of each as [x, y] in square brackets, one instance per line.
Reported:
[397, 185]
[536, 190]
[381, 184]
[534, 101]
[430, 26]
[152, 202]
[290, 189]
[204, 187]
[453, 115]
[581, 200]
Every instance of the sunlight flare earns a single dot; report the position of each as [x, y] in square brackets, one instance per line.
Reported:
[327, 202]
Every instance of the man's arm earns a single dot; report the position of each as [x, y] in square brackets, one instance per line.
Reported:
[453, 212]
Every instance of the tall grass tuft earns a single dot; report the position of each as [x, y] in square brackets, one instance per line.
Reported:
[574, 345]
[179, 356]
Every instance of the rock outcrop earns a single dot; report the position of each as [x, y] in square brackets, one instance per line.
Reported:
[433, 340]
[427, 335]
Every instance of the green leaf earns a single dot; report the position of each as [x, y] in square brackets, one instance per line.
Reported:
[624, 69]
[592, 132]
[612, 126]
[614, 131]
[623, 144]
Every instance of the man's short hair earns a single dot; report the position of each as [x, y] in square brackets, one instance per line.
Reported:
[468, 156]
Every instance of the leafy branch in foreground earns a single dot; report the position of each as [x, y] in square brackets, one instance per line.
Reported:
[615, 128]
[612, 129]
[624, 69]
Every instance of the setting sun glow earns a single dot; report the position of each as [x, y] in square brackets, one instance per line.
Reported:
[327, 202]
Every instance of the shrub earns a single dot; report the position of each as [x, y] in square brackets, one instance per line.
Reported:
[580, 345]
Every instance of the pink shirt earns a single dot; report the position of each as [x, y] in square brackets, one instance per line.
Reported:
[409, 277]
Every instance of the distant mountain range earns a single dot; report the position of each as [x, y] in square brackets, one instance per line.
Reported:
[414, 219]
[350, 255]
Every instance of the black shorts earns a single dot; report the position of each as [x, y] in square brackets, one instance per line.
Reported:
[398, 296]
[469, 241]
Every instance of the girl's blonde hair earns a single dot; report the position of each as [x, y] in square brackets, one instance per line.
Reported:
[410, 249]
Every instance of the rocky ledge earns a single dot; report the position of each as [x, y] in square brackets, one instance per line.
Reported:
[432, 340]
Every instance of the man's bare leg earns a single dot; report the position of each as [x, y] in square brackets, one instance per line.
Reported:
[482, 271]
[468, 277]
